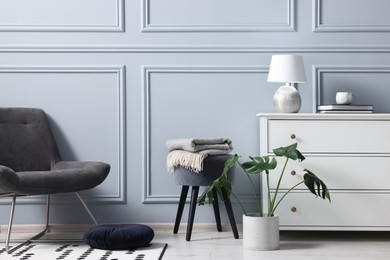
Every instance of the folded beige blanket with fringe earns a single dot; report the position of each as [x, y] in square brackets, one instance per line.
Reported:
[190, 152]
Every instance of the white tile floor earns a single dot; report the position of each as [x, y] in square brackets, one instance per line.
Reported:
[206, 243]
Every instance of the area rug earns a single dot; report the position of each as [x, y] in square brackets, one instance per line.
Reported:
[74, 251]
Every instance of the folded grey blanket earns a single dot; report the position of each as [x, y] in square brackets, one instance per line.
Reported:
[199, 144]
[191, 152]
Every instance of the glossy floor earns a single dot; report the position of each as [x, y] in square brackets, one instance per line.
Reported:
[206, 243]
[293, 246]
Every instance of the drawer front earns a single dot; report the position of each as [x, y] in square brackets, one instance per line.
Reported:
[330, 136]
[345, 210]
[340, 173]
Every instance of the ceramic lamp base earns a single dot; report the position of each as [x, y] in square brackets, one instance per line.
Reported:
[287, 100]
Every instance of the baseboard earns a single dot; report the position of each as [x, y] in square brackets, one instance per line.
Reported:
[54, 228]
[65, 228]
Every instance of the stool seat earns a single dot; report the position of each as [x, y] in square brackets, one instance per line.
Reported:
[212, 169]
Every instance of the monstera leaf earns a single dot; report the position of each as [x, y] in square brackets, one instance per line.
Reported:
[265, 164]
[259, 164]
[222, 184]
[290, 152]
[316, 185]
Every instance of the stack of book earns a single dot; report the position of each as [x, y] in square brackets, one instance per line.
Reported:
[345, 109]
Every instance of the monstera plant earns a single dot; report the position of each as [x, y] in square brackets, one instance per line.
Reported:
[265, 165]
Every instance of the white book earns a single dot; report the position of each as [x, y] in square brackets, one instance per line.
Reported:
[345, 107]
[345, 112]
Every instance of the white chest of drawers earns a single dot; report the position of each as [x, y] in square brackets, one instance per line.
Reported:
[350, 153]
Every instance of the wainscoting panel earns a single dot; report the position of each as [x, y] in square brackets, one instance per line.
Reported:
[351, 16]
[62, 15]
[369, 84]
[233, 15]
[84, 101]
[185, 102]
[120, 77]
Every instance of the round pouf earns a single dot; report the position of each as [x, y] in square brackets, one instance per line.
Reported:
[119, 236]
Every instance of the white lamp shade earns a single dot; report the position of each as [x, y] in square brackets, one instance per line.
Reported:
[286, 69]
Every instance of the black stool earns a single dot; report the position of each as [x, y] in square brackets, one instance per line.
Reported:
[212, 169]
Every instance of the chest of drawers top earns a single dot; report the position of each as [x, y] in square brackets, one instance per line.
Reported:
[327, 133]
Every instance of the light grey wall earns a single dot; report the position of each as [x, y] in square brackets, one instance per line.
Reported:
[118, 78]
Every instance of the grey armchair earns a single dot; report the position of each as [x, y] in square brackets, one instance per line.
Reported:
[30, 164]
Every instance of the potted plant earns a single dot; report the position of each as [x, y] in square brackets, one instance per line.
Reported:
[266, 224]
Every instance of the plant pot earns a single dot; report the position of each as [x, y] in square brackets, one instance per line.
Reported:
[260, 233]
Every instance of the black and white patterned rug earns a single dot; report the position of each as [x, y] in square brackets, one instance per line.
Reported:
[74, 251]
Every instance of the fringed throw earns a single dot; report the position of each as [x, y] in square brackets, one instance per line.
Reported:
[190, 153]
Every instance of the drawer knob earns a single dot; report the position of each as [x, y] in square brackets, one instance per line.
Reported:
[293, 173]
[293, 209]
[292, 136]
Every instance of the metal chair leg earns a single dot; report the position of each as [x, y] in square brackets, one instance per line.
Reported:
[9, 249]
[86, 208]
[28, 241]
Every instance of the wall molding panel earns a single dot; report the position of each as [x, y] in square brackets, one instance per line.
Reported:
[147, 71]
[284, 26]
[320, 70]
[136, 72]
[366, 48]
[63, 16]
[351, 26]
[117, 193]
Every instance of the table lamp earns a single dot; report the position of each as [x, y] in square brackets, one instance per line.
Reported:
[287, 69]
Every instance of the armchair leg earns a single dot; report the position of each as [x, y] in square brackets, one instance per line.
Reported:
[9, 249]
[87, 209]
[28, 241]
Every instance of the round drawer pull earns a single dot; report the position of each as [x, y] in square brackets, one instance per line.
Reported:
[294, 209]
[293, 173]
[292, 136]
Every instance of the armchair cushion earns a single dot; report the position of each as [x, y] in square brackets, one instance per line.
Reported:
[64, 177]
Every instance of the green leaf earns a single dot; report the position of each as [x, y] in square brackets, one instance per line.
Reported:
[222, 183]
[290, 152]
[259, 164]
[226, 186]
[281, 151]
[229, 164]
[300, 156]
[257, 159]
[255, 166]
[316, 185]
[273, 163]
[207, 193]
[219, 191]
[248, 165]
[266, 159]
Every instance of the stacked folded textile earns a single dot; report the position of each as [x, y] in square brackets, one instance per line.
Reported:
[190, 152]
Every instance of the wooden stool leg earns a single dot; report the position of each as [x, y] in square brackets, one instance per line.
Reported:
[230, 213]
[191, 215]
[216, 210]
[182, 202]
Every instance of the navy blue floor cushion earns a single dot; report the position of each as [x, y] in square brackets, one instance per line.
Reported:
[119, 236]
